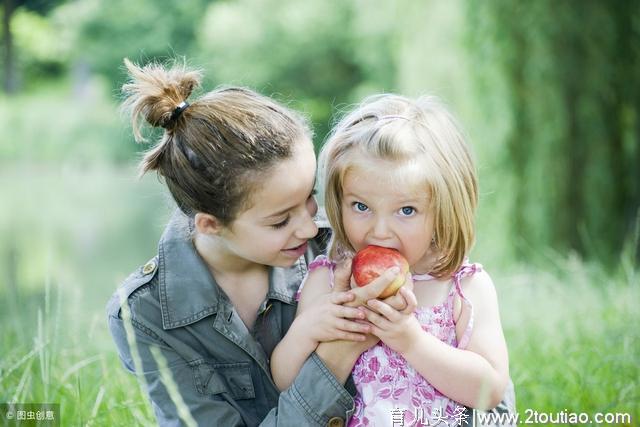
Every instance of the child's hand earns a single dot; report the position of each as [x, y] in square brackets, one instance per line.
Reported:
[328, 319]
[396, 328]
[342, 276]
[402, 300]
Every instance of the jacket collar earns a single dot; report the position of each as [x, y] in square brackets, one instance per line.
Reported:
[188, 291]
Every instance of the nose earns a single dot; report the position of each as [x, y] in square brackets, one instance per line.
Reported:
[308, 227]
[381, 230]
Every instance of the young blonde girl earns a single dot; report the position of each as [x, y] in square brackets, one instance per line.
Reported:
[398, 174]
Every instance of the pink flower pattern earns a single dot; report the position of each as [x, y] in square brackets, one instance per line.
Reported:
[386, 383]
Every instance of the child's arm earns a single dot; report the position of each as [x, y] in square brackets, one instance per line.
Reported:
[476, 376]
[337, 335]
[320, 317]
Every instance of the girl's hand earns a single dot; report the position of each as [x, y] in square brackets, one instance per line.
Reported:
[404, 301]
[342, 282]
[329, 319]
[396, 328]
[355, 299]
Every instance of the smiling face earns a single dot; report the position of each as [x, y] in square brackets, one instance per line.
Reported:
[274, 230]
[384, 203]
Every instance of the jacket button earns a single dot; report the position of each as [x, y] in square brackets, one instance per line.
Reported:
[149, 267]
[335, 422]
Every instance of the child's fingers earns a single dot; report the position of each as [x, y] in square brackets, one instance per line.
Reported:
[400, 302]
[377, 320]
[375, 288]
[384, 309]
[410, 300]
[408, 281]
[351, 326]
[341, 297]
[349, 336]
[396, 301]
[341, 276]
[349, 312]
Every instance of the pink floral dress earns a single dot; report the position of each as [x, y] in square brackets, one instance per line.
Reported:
[390, 391]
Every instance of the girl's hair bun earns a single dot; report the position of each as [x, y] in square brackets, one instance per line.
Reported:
[154, 92]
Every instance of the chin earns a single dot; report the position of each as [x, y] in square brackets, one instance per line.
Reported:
[283, 262]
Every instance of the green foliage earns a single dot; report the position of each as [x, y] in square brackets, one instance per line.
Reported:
[564, 79]
[315, 55]
[38, 6]
[40, 49]
[62, 125]
[143, 31]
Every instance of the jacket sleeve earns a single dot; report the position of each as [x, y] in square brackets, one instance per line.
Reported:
[312, 400]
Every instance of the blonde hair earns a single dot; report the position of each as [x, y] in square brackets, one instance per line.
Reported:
[422, 131]
[213, 151]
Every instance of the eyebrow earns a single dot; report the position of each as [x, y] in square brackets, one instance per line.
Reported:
[284, 211]
[416, 199]
[354, 195]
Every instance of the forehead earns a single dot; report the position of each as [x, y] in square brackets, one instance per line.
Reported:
[284, 185]
[390, 179]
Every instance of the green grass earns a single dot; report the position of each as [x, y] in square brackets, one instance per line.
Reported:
[64, 249]
[573, 339]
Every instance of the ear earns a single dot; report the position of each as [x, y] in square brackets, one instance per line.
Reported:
[207, 224]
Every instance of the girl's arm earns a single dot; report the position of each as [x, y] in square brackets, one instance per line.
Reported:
[476, 376]
[321, 317]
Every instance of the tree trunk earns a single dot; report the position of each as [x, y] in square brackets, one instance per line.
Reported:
[9, 84]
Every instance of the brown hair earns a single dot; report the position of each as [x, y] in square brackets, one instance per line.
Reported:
[422, 133]
[213, 153]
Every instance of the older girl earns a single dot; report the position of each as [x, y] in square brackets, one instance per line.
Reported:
[199, 321]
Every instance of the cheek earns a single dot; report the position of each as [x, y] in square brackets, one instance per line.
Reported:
[267, 239]
[269, 244]
[430, 228]
[352, 228]
[414, 233]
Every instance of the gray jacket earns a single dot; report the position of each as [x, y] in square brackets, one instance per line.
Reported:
[218, 368]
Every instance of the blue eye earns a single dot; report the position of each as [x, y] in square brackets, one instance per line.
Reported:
[408, 210]
[360, 207]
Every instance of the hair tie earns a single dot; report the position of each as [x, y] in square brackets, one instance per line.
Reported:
[178, 111]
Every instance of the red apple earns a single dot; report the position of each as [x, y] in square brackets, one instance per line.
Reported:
[372, 261]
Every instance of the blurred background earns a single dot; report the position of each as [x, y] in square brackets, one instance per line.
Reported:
[548, 92]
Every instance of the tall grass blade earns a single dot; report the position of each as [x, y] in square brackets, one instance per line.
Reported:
[172, 388]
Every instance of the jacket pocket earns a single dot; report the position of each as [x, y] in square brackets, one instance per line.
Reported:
[217, 378]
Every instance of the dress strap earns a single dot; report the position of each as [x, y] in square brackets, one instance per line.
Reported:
[322, 261]
[464, 271]
[319, 261]
[421, 277]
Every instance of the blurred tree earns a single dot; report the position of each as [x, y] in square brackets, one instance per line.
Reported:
[319, 55]
[10, 80]
[144, 30]
[573, 107]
